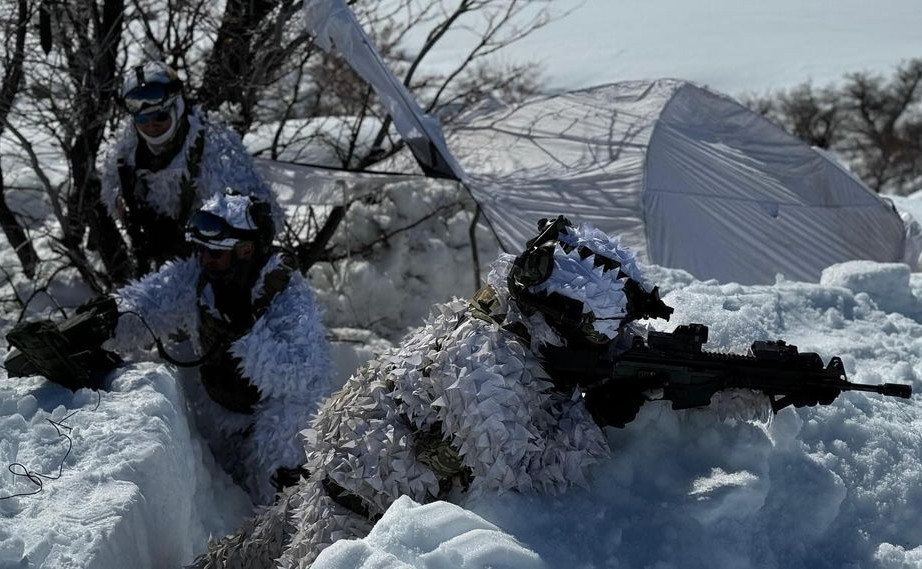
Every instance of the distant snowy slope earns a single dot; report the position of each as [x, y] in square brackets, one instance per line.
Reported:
[730, 45]
[137, 490]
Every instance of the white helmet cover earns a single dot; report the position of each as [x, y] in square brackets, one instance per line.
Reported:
[577, 276]
[236, 212]
[151, 87]
[152, 72]
[582, 281]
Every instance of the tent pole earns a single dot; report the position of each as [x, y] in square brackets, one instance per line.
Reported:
[475, 255]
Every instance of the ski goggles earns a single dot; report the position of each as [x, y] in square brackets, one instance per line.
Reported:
[149, 95]
[147, 117]
[213, 232]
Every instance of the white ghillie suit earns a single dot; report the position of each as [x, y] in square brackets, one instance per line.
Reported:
[462, 403]
[285, 355]
[224, 163]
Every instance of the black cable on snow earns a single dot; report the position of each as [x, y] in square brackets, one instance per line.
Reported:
[20, 470]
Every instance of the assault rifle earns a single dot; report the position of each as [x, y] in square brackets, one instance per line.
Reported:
[674, 362]
[69, 352]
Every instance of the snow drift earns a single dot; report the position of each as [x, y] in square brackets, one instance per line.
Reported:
[138, 489]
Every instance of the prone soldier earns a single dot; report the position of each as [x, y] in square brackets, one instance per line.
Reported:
[507, 392]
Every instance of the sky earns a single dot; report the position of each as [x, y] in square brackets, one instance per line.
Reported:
[731, 45]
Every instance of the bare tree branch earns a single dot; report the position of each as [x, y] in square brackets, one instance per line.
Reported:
[12, 81]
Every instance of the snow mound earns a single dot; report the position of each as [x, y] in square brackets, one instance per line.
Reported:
[136, 489]
[886, 283]
[438, 535]
[425, 260]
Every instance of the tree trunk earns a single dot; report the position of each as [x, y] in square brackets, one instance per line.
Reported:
[16, 235]
[99, 91]
[230, 65]
[12, 80]
[309, 253]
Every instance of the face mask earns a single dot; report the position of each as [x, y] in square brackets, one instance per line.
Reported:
[176, 112]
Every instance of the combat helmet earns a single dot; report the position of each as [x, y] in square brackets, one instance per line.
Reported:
[582, 282]
[228, 218]
[153, 92]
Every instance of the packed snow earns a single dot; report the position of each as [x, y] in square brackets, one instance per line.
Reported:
[434, 535]
[137, 488]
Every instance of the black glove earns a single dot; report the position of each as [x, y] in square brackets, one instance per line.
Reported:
[818, 396]
[102, 311]
[101, 304]
[285, 477]
[613, 409]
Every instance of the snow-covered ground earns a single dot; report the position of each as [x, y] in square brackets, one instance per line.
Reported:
[837, 486]
[136, 487]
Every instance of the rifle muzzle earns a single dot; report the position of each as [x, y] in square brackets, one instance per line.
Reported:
[896, 390]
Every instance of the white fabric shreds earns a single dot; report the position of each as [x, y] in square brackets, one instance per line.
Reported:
[225, 163]
[285, 354]
[474, 383]
[165, 299]
[234, 209]
[600, 291]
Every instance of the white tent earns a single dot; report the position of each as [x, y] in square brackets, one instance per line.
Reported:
[689, 178]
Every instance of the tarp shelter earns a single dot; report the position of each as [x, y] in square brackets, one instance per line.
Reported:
[688, 178]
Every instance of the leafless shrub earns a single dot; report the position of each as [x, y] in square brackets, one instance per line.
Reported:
[252, 62]
[873, 122]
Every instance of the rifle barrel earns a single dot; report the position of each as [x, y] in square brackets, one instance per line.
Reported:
[888, 389]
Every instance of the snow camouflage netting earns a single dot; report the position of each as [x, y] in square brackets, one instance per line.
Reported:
[225, 164]
[233, 209]
[599, 290]
[285, 355]
[459, 380]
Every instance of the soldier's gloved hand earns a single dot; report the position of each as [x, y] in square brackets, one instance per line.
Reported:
[103, 303]
[818, 396]
[285, 477]
[613, 409]
[104, 314]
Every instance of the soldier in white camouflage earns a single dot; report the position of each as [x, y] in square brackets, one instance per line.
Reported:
[164, 165]
[254, 323]
[467, 403]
